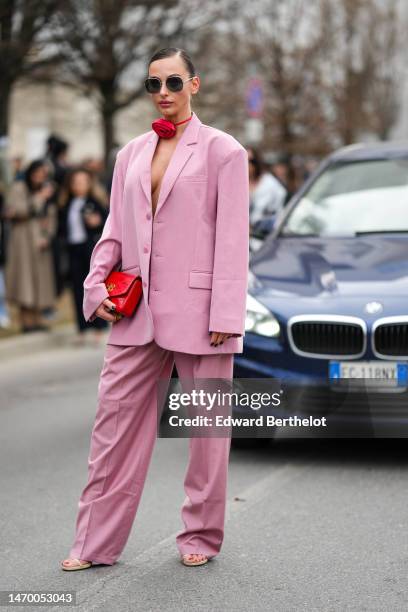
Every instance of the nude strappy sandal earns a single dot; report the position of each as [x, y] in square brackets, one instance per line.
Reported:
[77, 566]
[185, 561]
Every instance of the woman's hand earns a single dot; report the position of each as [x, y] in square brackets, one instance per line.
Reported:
[43, 243]
[107, 311]
[93, 219]
[218, 338]
[46, 192]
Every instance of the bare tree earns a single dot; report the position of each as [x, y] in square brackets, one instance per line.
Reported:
[280, 42]
[329, 68]
[386, 45]
[222, 61]
[21, 23]
[290, 50]
[103, 46]
[362, 66]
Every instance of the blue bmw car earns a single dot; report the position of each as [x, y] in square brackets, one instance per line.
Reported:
[327, 308]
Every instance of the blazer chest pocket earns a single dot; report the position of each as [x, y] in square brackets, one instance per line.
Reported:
[200, 280]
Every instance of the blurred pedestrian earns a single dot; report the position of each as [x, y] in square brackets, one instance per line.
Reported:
[29, 274]
[267, 194]
[17, 168]
[4, 316]
[57, 158]
[96, 168]
[81, 220]
[56, 155]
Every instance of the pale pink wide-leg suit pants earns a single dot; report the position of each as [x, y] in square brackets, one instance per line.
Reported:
[122, 442]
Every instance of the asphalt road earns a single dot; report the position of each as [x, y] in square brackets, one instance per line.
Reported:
[311, 525]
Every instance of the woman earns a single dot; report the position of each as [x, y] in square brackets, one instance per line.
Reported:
[96, 170]
[179, 218]
[81, 222]
[267, 194]
[29, 272]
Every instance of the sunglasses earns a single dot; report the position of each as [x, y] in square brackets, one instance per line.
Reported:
[173, 83]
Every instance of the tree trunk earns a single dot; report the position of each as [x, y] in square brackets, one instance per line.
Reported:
[5, 88]
[108, 108]
[108, 133]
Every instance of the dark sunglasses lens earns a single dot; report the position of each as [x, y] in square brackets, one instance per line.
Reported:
[153, 85]
[174, 83]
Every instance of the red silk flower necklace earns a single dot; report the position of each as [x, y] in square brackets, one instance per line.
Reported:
[165, 128]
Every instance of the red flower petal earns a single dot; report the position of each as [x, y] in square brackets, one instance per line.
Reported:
[164, 128]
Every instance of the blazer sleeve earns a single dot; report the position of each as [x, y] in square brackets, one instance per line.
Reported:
[231, 254]
[107, 252]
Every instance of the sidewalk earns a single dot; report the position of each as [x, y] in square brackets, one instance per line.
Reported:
[13, 343]
[22, 344]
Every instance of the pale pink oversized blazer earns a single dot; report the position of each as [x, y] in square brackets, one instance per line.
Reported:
[195, 264]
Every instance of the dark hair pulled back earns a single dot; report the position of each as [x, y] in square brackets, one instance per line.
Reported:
[171, 52]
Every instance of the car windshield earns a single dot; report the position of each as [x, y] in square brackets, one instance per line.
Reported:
[352, 198]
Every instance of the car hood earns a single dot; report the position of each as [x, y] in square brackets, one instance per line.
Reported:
[356, 266]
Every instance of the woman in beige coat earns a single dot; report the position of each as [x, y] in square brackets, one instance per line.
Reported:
[29, 272]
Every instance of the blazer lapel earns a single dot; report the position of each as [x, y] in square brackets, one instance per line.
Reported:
[145, 165]
[183, 151]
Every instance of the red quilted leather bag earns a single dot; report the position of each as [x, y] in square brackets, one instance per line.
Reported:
[125, 291]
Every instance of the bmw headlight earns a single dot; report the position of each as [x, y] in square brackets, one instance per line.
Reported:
[259, 320]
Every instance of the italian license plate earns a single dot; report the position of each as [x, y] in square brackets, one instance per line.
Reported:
[388, 373]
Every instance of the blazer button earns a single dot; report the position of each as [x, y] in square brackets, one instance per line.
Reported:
[144, 284]
[148, 216]
[145, 249]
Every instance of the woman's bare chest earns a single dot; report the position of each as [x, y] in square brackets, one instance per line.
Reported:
[160, 162]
